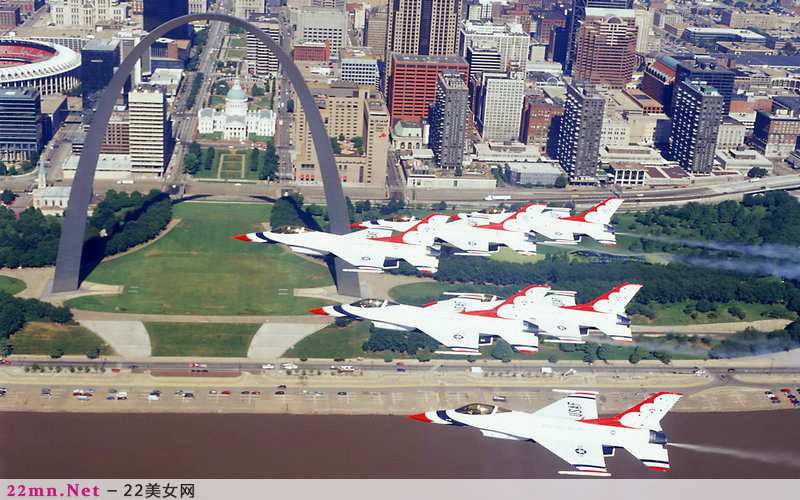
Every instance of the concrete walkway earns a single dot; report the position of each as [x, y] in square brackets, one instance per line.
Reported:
[275, 337]
[128, 338]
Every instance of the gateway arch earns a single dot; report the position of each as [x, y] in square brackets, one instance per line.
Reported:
[70, 248]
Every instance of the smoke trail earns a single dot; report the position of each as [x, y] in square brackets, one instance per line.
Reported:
[774, 457]
[768, 250]
[783, 270]
[646, 347]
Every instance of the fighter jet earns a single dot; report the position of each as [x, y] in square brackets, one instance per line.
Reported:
[571, 429]
[594, 223]
[367, 251]
[400, 222]
[462, 331]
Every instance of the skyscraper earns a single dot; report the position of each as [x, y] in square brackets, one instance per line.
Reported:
[579, 135]
[502, 107]
[719, 77]
[606, 48]
[697, 114]
[157, 12]
[321, 24]
[259, 57]
[148, 129]
[99, 58]
[577, 17]
[413, 83]
[21, 132]
[448, 120]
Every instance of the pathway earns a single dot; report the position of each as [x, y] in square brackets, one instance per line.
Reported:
[128, 338]
[275, 337]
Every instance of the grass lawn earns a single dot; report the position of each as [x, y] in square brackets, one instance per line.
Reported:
[333, 342]
[236, 53]
[213, 136]
[422, 293]
[215, 102]
[37, 337]
[201, 339]
[198, 269]
[11, 285]
[264, 102]
[238, 42]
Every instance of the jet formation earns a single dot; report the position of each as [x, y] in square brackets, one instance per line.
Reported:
[571, 429]
[469, 320]
[376, 248]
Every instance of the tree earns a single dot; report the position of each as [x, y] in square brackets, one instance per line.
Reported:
[191, 163]
[757, 172]
[92, 352]
[458, 172]
[337, 149]
[553, 358]
[591, 353]
[341, 137]
[604, 352]
[561, 181]
[502, 350]
[55, 351]
[663, 356]
[439, 206]
[5, 347]
[76, 91]
[636, 356]
[7, 197]
[3, 168]
[256, 91]
[290, 106]
[424, 356]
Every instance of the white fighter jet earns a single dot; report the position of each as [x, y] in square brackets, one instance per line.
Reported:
[367, 251]
[400, 222]
[463, 331]
[594, 223]
[571, 429]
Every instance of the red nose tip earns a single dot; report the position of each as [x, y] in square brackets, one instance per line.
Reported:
[421, 417]
[358, 225]
[319, 310]
[242, 237]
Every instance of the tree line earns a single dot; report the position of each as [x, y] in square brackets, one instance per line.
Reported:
[30, 240]
[15, 312]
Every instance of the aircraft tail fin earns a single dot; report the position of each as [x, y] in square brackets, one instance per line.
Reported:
[422, 233]
[615, 300]
[645, 415]
[600, 213]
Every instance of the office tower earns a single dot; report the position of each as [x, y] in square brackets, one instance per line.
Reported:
[244, 8]
[697, 114]
[422, 27]
[606, 48]
[579, 134]
[359, 65]
[353, 111]
[330, 4]
[644, 25]
[198, 6]
[157, 12]
[719, 77]
[99, 58]
[448, 120]
[509, 40]
[659, 78]
[413, 84]
[776, 133]
[260, 59]
[375, 31]
[502, 107]
[484, 60]
[319, 24]
[148, 130]
[541, 119]
[577, 17]
[548, 21]
[21, 132]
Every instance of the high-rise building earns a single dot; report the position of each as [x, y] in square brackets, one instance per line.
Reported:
[484, 60]
[244, 8]
[359, 65]
[352, 111]
[659, 78]
[719, 77]
[375, 31]
[99, 58]
[21, 126]
[260, 58]
[413, 84]
[148, 129]
[83, 13]
[644, 25]
[448, 120]
[198, 6]
[422, 28]
[548, 21]
[502, 107]
[606, 48]
[541, 118]
[697, 114]
[319, 24]
[509, 40]
[577, 17]
[157, 12]
[579, 133]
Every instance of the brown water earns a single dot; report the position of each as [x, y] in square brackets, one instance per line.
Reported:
[65, 446]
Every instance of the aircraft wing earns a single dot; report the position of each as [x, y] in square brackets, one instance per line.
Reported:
[456, 335]
[557, 326]
[369, 233]
[554, 229]
[578, 405]
[363, 257]
[580, 451]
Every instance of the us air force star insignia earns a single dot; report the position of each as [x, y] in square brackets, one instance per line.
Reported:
[458, 336]
[580, 451]
[365, 258]
[562, 327]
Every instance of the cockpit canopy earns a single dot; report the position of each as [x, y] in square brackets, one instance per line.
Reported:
[292, 230]
[491, 211]
[400, 218]
[480, 409]
[372, 303]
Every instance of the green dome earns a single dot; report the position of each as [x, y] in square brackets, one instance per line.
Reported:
[236, 93]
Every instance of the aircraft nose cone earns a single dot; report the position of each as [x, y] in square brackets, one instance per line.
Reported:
[242, 237]
[358, 225]
[320, 310]
[421, 417]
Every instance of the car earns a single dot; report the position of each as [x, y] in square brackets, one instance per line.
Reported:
[282, 386]
[776, 400]
[401, 369]
[318, 393]
[225, 393]
[112, 391]
[303, 392]
[731, 370]
[188, 395]
[255, 393]
[796, 402]
[767, 392]
[46, 391]
[245, 393]
[111, 398]
[498, 398]
[133, 367]
[212, 392]
[178, 392]
[6, 362]
[342, 393]
[3, 391]
[786, 390]
[268, 366]
[399, 363]
[279, 393]
[156, 392]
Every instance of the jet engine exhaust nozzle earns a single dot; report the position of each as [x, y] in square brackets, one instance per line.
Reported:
[657, 437]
